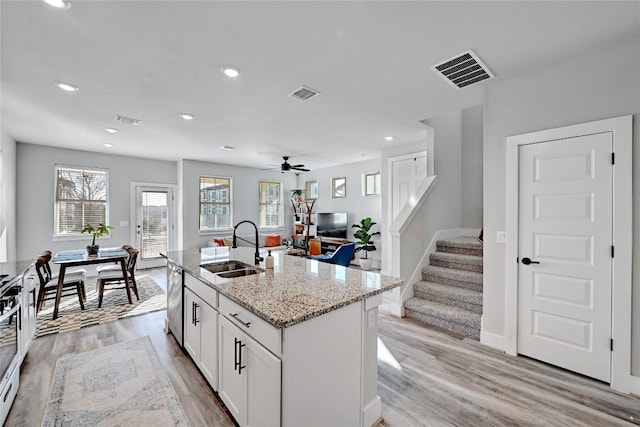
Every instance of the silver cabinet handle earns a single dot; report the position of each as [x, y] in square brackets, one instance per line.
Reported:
[235, 316]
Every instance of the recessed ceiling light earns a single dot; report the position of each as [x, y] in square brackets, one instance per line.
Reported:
[60, 4]
[187, 116]
[231, 71]
[111, 130]
[227, 148]
[66, 86]
[108, 145]
[389, 138]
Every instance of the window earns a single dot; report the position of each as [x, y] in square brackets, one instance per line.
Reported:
[81, 198]
[215, 203]
[270, 204]
[371, 183]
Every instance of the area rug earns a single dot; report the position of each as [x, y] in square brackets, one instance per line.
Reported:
[122, 384]
[114, 306]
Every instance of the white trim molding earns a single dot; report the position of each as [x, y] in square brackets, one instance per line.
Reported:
[622, 284]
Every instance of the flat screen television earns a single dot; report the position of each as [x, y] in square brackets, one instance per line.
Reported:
[332, 225]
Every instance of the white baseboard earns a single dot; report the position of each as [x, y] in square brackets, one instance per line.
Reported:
[492, 340]
[372, 412]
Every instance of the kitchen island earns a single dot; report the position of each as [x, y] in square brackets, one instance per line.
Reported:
[293, 345]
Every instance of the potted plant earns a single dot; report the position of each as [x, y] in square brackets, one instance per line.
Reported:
[365, 240]
[99, 231]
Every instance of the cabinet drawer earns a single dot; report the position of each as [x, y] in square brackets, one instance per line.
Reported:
[260, 330]
[204, 291]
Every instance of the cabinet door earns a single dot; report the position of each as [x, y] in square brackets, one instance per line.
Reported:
[263, 385]
[233, 384]
[28, 315]
[191, 327]
[208, 360]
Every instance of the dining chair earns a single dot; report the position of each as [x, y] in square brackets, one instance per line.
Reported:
[107, 278]
[116, 265]
[54, 275]
[73, 284]
[341, 256]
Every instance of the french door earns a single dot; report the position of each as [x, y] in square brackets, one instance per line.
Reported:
[153, 224]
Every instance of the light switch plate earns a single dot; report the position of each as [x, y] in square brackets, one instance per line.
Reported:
[124, 223]
[501, 237]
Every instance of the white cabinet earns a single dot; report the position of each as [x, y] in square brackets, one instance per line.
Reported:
[249, 378]
[28, 313]
[201, 335]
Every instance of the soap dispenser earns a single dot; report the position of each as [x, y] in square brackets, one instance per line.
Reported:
[269, 260]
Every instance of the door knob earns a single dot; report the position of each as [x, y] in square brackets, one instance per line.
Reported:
[527, 261]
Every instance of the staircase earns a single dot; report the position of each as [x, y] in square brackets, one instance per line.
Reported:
[450, 293]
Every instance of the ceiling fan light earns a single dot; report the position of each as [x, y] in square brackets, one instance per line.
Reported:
[60, 4]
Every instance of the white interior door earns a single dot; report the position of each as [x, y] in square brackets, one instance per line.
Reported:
[153, 223]
[565, 229]
[407, 173]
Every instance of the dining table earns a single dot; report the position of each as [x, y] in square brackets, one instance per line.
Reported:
[78, 257]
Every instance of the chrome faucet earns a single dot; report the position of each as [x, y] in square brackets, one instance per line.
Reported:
[258, 258]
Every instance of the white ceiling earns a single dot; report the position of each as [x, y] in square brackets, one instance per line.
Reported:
[370, 61]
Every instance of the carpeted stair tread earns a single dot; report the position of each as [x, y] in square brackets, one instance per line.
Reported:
[448, 276]
[426, 290]
[457, 261]
[453, 319]
[443, 311]
[467, 245]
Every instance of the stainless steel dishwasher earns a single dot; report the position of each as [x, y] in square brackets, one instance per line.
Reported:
[174, 301]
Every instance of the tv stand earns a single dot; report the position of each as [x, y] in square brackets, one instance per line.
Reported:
[330, 245]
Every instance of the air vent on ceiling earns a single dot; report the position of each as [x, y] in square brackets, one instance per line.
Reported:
[463, 70]
[127, 120]
[304, 93]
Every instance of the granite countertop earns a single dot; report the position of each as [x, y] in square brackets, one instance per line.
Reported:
[297, 289]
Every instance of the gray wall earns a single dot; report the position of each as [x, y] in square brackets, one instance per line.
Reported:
[7, 198]
[472, 167]
[36, 180]
[355, 204]
[245, 198]
[597, 86]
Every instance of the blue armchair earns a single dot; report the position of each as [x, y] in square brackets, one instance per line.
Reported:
[342, 255]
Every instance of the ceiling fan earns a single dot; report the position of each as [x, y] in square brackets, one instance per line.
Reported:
[286, 166]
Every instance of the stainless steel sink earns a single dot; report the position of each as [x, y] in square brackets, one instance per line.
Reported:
[230, 269]
[239, 273]
[219, 267]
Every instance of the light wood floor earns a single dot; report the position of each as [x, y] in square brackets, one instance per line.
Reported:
[425, 378]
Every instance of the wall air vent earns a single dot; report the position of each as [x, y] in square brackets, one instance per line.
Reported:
[463, 70]
[127, 120]
[304, 93]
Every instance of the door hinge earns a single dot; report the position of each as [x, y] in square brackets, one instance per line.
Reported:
[613, 158]
[612, 251]
[517, 260]
[611, 344]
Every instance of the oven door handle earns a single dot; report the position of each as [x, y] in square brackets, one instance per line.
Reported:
[12, 311]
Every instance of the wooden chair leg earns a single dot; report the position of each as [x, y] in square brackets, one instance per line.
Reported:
[134, 285]
[79, 291]
[100, 286]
